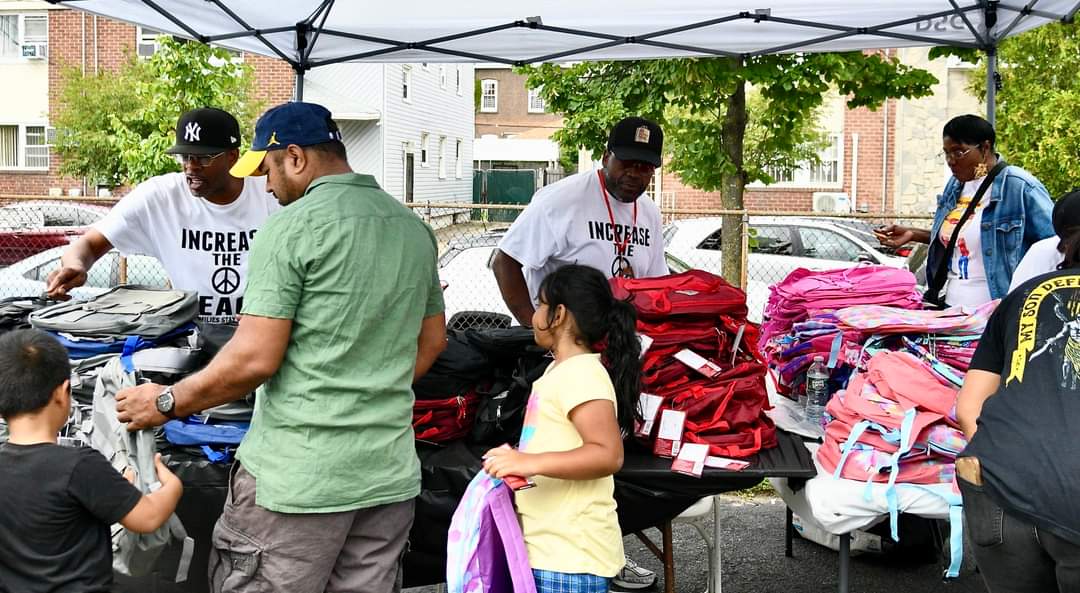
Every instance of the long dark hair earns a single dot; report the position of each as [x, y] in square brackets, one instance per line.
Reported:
[601, 320]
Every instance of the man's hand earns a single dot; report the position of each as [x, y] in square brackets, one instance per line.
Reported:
[63, 280]
[137, 406]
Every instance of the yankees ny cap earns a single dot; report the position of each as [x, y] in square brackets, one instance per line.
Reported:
[637, 139]
[296, 122]
[205, 131]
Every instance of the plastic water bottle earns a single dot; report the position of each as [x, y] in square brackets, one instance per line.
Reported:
[817, 391]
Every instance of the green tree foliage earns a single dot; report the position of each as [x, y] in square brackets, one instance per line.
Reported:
[1038, 102]
[718, 135]
[114, 127]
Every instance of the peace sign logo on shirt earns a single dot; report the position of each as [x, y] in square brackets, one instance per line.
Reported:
[226, 280]
[621, 267]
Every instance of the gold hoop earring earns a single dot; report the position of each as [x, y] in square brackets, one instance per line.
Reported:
[981, 170]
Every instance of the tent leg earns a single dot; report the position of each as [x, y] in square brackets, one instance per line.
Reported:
[991, 85]
[298, 88]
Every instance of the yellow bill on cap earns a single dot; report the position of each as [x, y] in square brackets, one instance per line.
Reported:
[248, 165]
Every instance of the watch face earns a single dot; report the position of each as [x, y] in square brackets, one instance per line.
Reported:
[165, 402]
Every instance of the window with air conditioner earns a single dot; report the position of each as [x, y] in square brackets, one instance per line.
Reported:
[24, 36]
[489, 96]
[146, 43]
[24, 147]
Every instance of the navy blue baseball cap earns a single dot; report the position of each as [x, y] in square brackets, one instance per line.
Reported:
[302, 124]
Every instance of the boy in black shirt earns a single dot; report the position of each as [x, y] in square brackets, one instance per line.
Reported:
[58, 502]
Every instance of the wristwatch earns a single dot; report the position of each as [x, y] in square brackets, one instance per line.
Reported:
[166, 403]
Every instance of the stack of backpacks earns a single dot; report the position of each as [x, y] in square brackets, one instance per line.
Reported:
[478, 388]
[895, 371]
[804, 293]
[701, 312]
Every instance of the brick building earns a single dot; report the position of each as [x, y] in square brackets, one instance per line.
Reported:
[38, 41]
[883, 160]
[880, 161]
[513, 126]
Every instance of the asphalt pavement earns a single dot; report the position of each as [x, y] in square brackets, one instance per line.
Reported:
[754, 562]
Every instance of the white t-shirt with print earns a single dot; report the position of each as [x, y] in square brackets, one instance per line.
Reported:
[568, 223]
[966, 283]
[203, 246]
[1041, 258]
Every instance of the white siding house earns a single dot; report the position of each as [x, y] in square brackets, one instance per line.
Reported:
[400, 117]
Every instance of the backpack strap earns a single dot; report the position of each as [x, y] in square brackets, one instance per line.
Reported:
[956, 525]
[932, 294]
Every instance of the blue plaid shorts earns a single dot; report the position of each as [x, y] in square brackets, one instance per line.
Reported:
[561, 582]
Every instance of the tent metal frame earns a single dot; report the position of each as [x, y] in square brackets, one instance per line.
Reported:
[308, 32]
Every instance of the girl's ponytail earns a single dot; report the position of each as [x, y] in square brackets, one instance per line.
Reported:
[600, 318]
[623, 357]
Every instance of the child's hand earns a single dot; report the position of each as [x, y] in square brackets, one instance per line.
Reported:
[503, 461]
[129, 474]
[164, 474]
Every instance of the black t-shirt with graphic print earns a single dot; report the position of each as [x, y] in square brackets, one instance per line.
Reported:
[58, 504]
[1026, 439]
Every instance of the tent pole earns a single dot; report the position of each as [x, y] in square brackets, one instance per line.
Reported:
[990, 15]
[298, 87]
[991, 84]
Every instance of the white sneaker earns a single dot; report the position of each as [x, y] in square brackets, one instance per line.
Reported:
[633, 577]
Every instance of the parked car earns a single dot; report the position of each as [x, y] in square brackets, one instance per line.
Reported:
[27, 228]
[780, 246]
[27, 277]
[469, 282]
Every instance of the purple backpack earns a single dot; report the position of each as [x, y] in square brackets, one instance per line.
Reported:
[485, 550]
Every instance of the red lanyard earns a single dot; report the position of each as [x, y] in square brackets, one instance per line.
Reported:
[611, 216]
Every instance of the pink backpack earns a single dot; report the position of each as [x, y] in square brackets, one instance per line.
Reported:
[883, 421]
[805, 292]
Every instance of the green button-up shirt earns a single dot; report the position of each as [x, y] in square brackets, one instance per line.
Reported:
[356, 272]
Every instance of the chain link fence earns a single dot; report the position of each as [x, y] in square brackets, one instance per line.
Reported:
[34, 232]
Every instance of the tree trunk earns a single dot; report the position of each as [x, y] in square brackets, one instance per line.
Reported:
[734, 130]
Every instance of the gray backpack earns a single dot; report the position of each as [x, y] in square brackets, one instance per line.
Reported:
[123, 311]
[134, 554]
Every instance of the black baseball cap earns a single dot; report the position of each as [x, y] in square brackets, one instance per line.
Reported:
[637, 139]
[205, 131]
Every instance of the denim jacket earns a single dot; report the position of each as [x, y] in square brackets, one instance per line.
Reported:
[1017, 215]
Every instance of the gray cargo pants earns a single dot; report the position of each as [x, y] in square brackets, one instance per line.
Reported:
[259, 551]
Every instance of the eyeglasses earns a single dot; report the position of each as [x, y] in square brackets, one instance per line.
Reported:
[201, 160]
[955, 155]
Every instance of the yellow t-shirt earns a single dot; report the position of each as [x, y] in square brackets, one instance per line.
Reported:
[569, 525]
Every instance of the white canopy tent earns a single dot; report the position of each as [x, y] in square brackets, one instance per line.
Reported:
[312, 33]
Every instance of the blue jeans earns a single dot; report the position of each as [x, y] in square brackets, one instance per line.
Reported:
[1013, 555]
